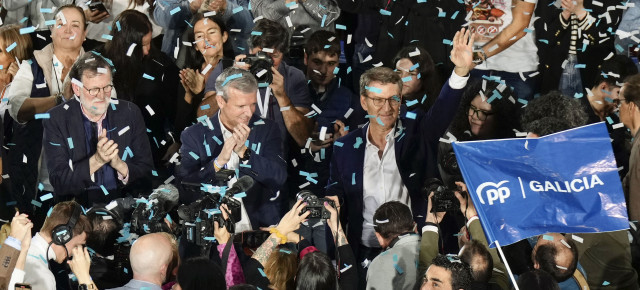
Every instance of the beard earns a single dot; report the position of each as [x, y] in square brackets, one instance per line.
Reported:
[93, 106]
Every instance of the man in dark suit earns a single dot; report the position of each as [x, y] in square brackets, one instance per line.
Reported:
[236, 139]
[390, 157]
[96, 146]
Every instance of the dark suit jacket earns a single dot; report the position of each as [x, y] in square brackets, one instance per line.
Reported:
[265, 166]
[68, 123]
[415, 156]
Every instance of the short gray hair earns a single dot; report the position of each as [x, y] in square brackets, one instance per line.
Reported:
[382, 75]
[236, 78]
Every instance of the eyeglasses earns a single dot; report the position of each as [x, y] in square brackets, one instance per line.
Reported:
[618, 102]
[379, 102]
[480, 114]
[94, 92]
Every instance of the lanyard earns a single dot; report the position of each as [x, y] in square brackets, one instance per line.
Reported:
[263, 106]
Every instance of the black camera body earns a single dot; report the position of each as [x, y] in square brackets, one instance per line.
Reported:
[444, 198]
[199, 227]
[261, 65]
[315, 205]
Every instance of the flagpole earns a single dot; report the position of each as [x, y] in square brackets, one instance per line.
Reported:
[506, 264]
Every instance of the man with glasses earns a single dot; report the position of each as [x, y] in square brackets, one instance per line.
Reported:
[390, 157]
[96, 146]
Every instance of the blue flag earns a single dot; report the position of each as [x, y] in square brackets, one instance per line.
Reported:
[565, 182]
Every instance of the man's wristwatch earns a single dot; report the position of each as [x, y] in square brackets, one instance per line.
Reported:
[479, 56]
[85, 287]
[247, 155]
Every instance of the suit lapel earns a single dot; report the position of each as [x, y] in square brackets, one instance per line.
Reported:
[75, 130]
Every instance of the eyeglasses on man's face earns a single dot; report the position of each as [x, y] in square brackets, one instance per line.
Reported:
[94, 91]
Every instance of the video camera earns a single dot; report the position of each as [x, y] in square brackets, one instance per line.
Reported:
[200, 215]
[260, 66]
[149, 214]
[315, 205]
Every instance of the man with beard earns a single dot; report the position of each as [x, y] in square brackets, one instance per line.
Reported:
[96, 146]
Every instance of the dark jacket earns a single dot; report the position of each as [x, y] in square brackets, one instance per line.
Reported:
[66, 122]
[415, 156]
[201, 145]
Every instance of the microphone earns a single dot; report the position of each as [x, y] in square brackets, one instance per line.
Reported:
[243, 184]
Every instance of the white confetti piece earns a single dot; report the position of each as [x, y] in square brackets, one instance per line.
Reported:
[349, 38]
[565, 243]
[368, 43]
[288, 19]
[210, 13]
[275, 197]
[323, 133]
[77, 82]
[123, 130]
[150, 110]
[206, 69]
[102, 70]
[284, 109]
[131, 48]
[41, 86]
[617, 126]
[267, 50]
[382, 221]
[577, 239]
[414, 53]
[315, 108]
[24, 158]
[348, 113]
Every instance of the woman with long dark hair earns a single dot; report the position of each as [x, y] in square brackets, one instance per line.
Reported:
[145, 76]
[420, 80]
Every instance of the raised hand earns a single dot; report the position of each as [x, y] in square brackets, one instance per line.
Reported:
[240, 134]
[462, 52]
[192, 81]
[106, 149]
[292, 219]
[21, 227]
[433, 217]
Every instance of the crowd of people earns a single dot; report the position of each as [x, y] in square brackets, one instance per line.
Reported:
[291, 144]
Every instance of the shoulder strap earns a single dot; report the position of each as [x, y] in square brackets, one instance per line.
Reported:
[225, 254]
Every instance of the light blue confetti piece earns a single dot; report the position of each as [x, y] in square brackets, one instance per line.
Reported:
[232, 77]
[54, 144]
[259, 122]
[154, 173]
[619, 48]
[207, 148]
[291, 4]
[322, 153]
[46, 10]
[385, 12]
[104, 190]
[358, 142]
[195, 156]
[411, 103]
[407, 79]
[187, 22]
[446, 41]
[528, 30]
[336, 70]
[27, 30]
[348, 70]
[118, 24]
[50, 22]
[285, 251]
[205, 107]
[237, 9]
[46, 196]
[605, 283]
[12, 46]
[36, 203]
[258, 148]
[373, 89]
[580, 65]
[258, 33]
[125, 270]
[547, 237]
[379, 121]
[523, 101]
[442, 14]
[411, 115]
[338, 144]
[544, 41]
[324, 18]
[240, 195]
[353, 178]
[40, 186]
[42, 116]
[322, 6]
[341, 27]
[107, 37]
[455, 14]
[400, 271]
[422, 1]
[215, 138]
[209, 239]
[414, 67]
[395, 257]
[70, 141]
[578, 95]
[260, 269]
[146, 76]
[24, 19]
[609, 120]
[49, 212]
[174, 10]
[312, 180]
[263, 85]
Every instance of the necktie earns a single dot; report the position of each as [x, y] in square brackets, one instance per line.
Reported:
[94, 137]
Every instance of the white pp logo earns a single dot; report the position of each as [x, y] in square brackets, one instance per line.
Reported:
[494, 192]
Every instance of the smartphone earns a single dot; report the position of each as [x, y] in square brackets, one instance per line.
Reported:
[93, 6]
[20, 286]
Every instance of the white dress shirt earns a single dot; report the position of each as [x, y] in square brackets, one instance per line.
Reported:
[381, 183]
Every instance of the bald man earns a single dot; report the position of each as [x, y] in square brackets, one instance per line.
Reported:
[150, 257]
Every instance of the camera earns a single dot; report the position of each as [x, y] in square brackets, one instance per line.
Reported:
[148, 216]
[315, 205]
[449, 168]
[261, 65]
[444, 199]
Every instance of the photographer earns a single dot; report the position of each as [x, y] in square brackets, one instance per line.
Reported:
[315, 270]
